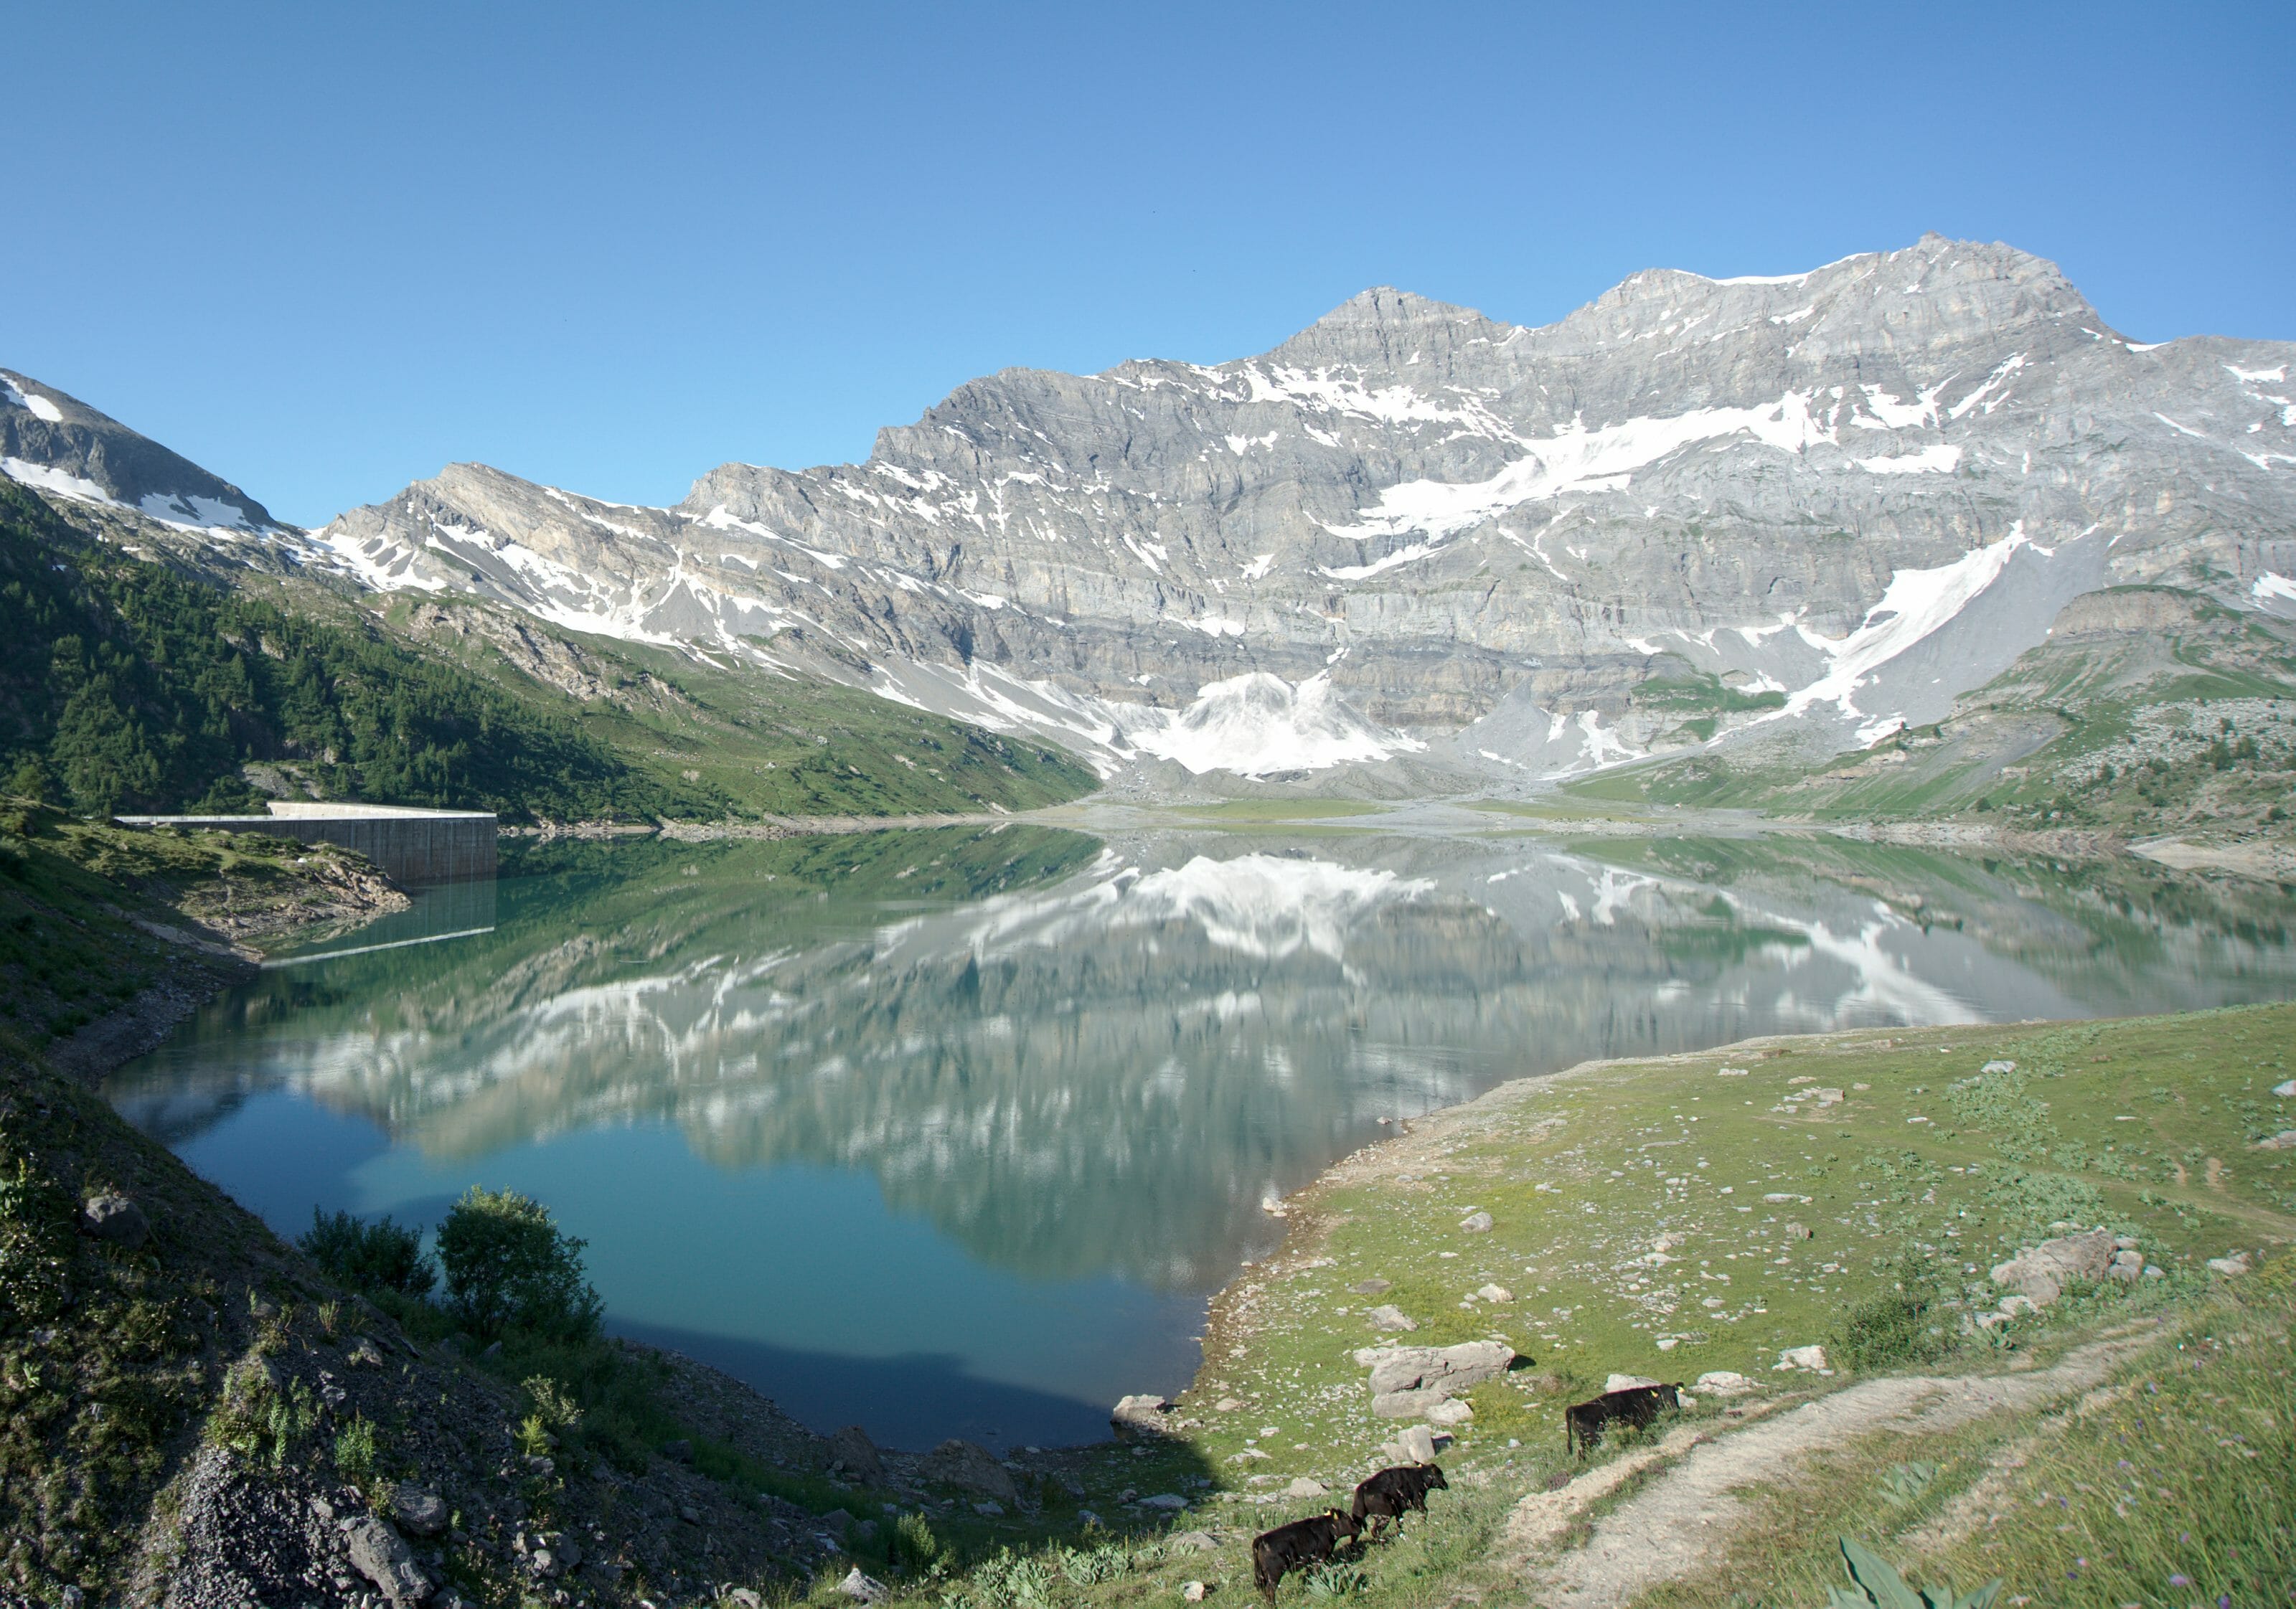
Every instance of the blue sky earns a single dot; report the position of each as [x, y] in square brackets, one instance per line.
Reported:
[326, 250]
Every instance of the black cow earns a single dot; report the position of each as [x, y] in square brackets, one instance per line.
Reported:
[1584, 1422]
[1388, 1493]
[1295, 1547]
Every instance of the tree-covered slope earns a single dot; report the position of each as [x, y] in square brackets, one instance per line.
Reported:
[127, 684]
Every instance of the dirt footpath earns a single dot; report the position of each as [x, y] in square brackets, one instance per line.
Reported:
[1682, 1519]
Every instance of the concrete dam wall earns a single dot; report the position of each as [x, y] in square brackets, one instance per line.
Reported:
[409, 846]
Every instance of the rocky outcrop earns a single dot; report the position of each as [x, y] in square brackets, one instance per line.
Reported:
[2040, 1273]
[1407, 1382]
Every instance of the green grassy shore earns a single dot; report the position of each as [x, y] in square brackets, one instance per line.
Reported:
[1639, 1224]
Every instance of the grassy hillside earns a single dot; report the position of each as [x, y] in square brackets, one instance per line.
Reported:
[2147, 711]
[761, 742]
[126, 683]
[1641, 1214]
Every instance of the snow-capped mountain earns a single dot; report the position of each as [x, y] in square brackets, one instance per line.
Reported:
[61, 447]
[1819, 504]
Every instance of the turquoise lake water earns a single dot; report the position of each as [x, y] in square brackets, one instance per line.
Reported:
[955, 1132]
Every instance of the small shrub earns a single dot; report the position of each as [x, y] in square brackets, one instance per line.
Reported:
[355, 1449]
[554, 1412]
[509, 1267]
[1905, 1482]
[1334, 1580]
[379, 1255]
[1013, 1580]
[915, 1549]
[1896, 1327]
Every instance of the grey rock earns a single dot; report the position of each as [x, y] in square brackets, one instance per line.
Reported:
[1415, 1402]
[1417, 1444]
[1476, 1223]
[116, 1221]
[42, 426]
[971, 1467]
[1391, 1318]
[1305, 1486]
[555, 1554]
[1446, 1368]
[381, 1554]
[1450, 1413]
[679, 1451]
[2286, 1141]
[1169, 1502]
[863, 1589]
[1194, 1541]
[2040, 1273]
[419, 1513]
[1145, 1414]
[852, 1448]
[1370, 1287]
[2235, 1264]
[1797, 1232]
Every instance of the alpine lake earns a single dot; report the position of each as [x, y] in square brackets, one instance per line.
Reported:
[955, 1132]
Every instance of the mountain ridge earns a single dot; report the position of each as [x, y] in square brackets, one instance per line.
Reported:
[1416, 539]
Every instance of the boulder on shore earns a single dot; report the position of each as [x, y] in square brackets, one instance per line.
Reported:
[1145, 1413]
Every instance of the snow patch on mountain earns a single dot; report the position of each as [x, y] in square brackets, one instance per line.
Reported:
[1580, 459]
[1916, 603]
[181, 509]
[38, 406]
[1256, 724]
[1939, 458]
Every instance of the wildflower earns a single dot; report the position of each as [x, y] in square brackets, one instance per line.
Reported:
[2180, 1580]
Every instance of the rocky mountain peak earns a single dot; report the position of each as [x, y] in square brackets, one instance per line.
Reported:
[1388, 329]
[53, 441]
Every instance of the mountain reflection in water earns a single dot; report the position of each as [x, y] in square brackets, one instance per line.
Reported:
[1006, 1104]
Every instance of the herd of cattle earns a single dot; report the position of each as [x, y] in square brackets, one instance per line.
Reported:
[1391, 1493]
